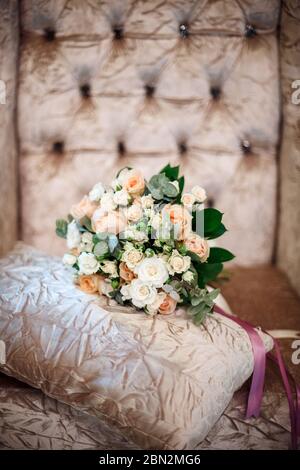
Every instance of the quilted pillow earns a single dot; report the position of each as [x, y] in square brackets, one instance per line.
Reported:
[161, 381]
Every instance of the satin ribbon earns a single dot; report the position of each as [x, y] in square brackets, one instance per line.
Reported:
[258, 376]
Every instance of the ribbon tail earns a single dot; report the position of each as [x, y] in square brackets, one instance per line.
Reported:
[259, 367]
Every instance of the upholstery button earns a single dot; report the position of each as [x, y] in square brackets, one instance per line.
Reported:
[215, 92]
[149, 90]
[182, 147]
[183, 30]
[118, 32]
[85, 90]
[246, 147]
[250, 31]
[210, 202]
[121, 148]
[49, 34]
[58, 147]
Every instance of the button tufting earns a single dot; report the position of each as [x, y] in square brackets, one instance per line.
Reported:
[215, 92]
[210, 202]
[246, 147]
[58, 147]
[121, 148]
[250, 31]
[149, 90]
[49, 34]
[182, 147]
[118, 32]
[183, 30]
[85, 90]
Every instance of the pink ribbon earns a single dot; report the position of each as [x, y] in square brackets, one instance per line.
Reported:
[258, 377]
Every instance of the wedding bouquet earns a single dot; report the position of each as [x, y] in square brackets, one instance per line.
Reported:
[146, 243]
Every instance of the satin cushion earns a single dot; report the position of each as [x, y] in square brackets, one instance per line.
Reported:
[162, 382]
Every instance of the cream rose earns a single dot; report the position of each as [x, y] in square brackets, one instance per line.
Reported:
[188, 199]
[134, 212]
[147, 202]
[85, 207]
[89, 283]
[113, 222]
[73, 235]
[132, 257]
[88, 263]
[96, 192]
[125, 273]
[188, 276]
[107, 202]
[69, 259]
[180, 218]
[167, 306]
[142, 293]
[199, 193]
[109, 267]
[198, 245]
[178, 263]
[104, 286]
[134, 182]
[153, 271]
[86, 243]
[152, 309]
[121, 198]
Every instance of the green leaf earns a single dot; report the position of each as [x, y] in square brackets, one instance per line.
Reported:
[61, 228]
[171, 172]
[207, 221]
[170, 190]
[218, 232]
[181, 184]
[208, 272]
[101, 249]
[219, 255]
[86, 223]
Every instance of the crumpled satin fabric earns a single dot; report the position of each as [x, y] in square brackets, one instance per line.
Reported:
[160, 382]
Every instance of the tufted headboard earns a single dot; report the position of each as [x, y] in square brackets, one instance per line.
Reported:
[105, 83]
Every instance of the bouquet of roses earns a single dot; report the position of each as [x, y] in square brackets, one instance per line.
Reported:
[146, 243]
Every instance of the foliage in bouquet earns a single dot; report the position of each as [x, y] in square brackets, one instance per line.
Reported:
[146, 243]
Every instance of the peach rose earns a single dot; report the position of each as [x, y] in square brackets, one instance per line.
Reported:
[198, 245]
[90, 283]
[125, 272]
[134, 183]
[84, 208]
[113, 222]
[181, 218]
[167, 306]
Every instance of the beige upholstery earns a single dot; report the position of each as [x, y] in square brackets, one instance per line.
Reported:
[107, 84]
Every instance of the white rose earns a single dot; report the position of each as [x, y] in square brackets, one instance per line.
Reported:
[88, 263]
[73, 235]
[69, 259]
[122, 176]
[199, 193]
[96, 192]
[153, 270]
[132, 257]
[147, 202]
[136, 235]
[134, 213]
[142, 293]
[152, 308]
[188, 199]
[156, 221]
[86, 243]
[107, 202]
[109, 267]
[178, 263]
[188, 276]
[125, 292]
[121, 198]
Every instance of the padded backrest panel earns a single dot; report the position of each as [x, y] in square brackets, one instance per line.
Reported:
[105, 84]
